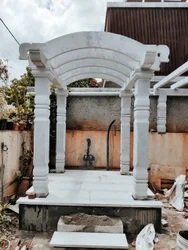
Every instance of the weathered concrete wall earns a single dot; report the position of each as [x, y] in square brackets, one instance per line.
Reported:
[45, 218]
[177, 115]
[93, 113]
[168, 155]
[96, 113]
[13, 140]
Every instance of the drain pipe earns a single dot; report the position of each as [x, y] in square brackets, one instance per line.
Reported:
[108, 146]
[4, 148]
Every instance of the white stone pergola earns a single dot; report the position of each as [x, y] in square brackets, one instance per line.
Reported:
[176, 82]
[82, 55]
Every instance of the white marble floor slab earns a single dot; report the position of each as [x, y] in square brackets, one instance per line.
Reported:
[90, 188]
[89, 240]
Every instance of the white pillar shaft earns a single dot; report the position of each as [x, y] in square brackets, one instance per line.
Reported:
[161, 114]
[141, 127]
[125, 132]
[41, 136]
[61, 130]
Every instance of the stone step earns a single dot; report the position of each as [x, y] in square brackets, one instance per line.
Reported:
[89, 240]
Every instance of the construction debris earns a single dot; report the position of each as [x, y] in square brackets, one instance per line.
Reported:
[164, 223]
[145, 239]
[176, 193]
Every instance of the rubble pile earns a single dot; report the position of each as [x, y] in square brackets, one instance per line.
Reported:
[186, 199]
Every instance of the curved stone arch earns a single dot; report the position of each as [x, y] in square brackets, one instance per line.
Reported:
[96, 70]
[96, 39]
[91, 62]
[111, 49]
[93, 53]
[91, 75]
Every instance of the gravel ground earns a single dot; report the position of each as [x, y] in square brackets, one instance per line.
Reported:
[40, 241]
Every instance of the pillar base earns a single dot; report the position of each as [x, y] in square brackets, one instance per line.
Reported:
[161, 129]
[60, 167]
[40, 185]
[140, 188]
[124, 169]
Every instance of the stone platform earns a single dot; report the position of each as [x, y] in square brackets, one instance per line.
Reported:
[91, 192]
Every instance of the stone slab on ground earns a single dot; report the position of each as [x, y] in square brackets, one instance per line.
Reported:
[81, 222]
[89, 240]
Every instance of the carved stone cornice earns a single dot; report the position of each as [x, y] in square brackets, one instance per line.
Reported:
[154, 56]
[25, 48]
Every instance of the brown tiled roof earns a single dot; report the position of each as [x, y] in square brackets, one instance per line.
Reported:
[153, 26]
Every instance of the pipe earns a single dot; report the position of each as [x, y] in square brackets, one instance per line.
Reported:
[4, 148]
[108, 146]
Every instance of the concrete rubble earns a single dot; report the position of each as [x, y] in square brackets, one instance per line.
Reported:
[81, 222]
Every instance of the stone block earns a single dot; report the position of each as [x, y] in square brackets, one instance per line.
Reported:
[80, 240]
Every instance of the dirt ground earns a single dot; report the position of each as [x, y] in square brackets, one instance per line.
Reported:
[40, 241]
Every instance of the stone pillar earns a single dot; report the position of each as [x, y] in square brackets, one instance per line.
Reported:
[41, 136]
[125, 132]
[141, 127]
[161, 113]
[61, 129]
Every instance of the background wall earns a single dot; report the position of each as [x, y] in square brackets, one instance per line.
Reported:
[13, 140]
[168, 155]
[89, 117]
[96, 113]
[76, 147]
[93, 113]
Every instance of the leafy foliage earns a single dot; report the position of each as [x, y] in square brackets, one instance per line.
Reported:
[5, 219]
[80, 84]
[8, 224]
[16, 95]
[4, 70]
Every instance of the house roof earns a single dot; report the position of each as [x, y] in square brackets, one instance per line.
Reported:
[153, 23]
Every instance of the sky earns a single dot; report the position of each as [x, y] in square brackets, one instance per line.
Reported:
[42, 20]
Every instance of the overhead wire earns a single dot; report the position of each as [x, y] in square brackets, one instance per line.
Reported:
[9, 31]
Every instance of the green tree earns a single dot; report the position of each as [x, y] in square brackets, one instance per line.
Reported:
[80, 84]
[15, 94]
[3, 71]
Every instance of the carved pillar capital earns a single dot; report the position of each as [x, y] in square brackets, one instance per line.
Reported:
[62, 92]
[125, 93]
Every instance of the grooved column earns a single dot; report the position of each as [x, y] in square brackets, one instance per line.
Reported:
[41, 136]
[125, 132]
[161, 114]
[61, 129]
[141, 127]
